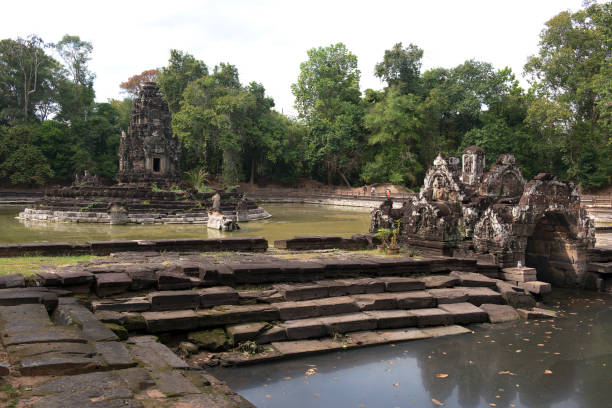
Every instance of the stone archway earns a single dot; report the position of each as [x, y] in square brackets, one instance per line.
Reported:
[555, 253]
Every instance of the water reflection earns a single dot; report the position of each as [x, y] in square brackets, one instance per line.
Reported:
[505, 365]
[287, 221]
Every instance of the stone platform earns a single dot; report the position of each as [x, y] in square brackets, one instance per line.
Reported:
[135, 204]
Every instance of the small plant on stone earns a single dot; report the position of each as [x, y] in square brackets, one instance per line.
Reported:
[383, 234]
[146, 202]
[155, 188]
[249, 347]
[343, 339]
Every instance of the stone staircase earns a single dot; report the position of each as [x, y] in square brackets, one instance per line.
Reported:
[92, 366]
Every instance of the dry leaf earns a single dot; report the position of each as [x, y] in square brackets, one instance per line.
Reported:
[441, 375]
[518, 351]
[317, 395]
[396, 384]
[438, 403]
[506, 372]
[492, 404]
[547, 372]
[268, 396]
[310, 371]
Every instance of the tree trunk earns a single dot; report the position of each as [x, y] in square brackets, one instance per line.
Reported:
[345, 179]
[252, 178]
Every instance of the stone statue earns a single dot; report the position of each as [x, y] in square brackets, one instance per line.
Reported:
[216, 206]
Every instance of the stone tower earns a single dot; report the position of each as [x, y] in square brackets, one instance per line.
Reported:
[473, 165]
[149, 153]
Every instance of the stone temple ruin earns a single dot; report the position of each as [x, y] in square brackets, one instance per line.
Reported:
[496, 216]
[149, 153]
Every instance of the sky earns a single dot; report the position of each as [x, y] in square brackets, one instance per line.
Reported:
[267, 40]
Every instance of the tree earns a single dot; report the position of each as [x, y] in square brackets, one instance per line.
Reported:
[327, 97]
[27, 74]
[76, 53]
[182, 69]
[401, 67]
[571, 81]
[134, 83]
[21, 161]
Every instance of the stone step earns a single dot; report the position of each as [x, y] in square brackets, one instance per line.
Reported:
[20, 296]
[70, 313]
[600, 267]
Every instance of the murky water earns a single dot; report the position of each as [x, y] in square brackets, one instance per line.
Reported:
[287, 221]
[565, 362]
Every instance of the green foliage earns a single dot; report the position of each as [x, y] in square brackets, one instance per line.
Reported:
[182, 69]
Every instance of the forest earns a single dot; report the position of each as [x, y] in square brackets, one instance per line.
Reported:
[51, 127]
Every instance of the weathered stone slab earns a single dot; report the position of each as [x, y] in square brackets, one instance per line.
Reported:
[114, 354]
[305, 347]
[224, 315]
[170, 280]
[46, 279]
[516, 274]
[38, 350]
[518, 299]
[153, 354]
[59, 365]
[174, 383]
[500, 313]
[445, 331]
[212, 340]
[15, 280]
[272, 334]
[135, 304]
[335, 305]
[376, 301]
[449, 295]
[348, 323]
[393, 319]
[362, 285]
[169, 321]
[465, 313]
[304, 329]
[479, 295]
[473, 279]
[75, 314]
[53, 334]
[537, 313]
[391, 336]
[24, 317]
[536, 287]
[432, 317]
[112, 283]
[108, 316]
[243, 332]
[297, 310]
[72, 277]
[19, 296]
[218, 295]
[305, 291]
[142, 277]
[600, 267]
[174, 300]
[415, 300]
[399, 284]
[439, 281]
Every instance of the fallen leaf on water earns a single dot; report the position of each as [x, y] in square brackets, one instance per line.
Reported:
[441, 375]
[389, 362]
[547, 372]
[540, 345]
[492, 404]
[310, 371]
[506, 373]
[317, 395]
[556, 353]
[438, 403]
[287, 378]
[268, 396]
[396, 384]
[518, 351]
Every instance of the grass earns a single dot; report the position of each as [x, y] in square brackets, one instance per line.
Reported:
[27, 265]
[9, 396]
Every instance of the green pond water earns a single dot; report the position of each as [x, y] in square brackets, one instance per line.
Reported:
[288, 220]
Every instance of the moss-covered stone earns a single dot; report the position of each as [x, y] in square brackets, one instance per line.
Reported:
[134, 321]
[119, 330]
[212, 340]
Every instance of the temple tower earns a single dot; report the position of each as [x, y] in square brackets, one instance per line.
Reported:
[149, 153]
[473, 165]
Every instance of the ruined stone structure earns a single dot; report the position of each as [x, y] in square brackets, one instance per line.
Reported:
[149, 153]
[496, 216]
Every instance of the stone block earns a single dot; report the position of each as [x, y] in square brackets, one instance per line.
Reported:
[465, 313]
[351, 322]
[114, 354]
[304, 329]
[108, 316]
[174, 300]
[473, 279]
[536, 287]
[393, 319]
[439, 281]
[240, 333]
[112, 283]
[449, 295]
[399, 284]
[218, 295]
[537, 313]
[142, 277]
[59, 365]
[170, 321]
[19, 296]
[224, 315]
[53, 334]
[376, 301]
[415, 300]
[337, 305]
[519, 300]
[362, 285]
[500, 313]
[274, 333]
[305, 291]
[79, 316]
[297, 310]
[169, 280]
[15, 280]
[212, 340]
[432, 317]
[135, 304]
[479, 295]
[70, 277]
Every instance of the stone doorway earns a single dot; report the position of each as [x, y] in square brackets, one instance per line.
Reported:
[554, 252]
[156, 165]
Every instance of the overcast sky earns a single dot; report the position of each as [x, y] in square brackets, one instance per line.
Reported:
[267, 40]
